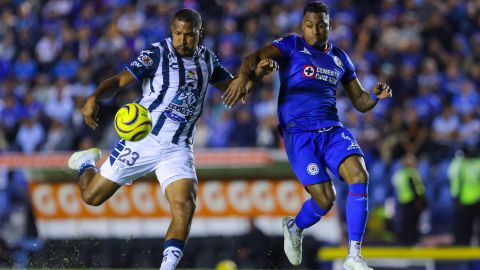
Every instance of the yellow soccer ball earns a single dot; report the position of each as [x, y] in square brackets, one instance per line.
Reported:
[226, 265]
[133, 122]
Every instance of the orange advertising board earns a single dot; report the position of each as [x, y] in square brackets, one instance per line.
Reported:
[240, 198]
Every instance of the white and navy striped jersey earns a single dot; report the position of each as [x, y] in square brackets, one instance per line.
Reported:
[174, 88]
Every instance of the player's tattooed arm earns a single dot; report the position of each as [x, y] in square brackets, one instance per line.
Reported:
[237, 89]
[362, 100]
[104, 90]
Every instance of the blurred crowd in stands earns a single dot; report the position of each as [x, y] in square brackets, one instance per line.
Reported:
[53, 54]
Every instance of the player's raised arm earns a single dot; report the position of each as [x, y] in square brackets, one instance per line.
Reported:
[143, 66]
[238, 87]
[362, 100]
[104, 90]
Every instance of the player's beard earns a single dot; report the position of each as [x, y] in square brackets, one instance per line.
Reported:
[184, 51]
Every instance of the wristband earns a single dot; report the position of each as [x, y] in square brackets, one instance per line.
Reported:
[374, 97]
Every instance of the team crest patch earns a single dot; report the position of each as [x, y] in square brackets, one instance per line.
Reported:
[145, 60]
[308, 71]
[312, 169]
[191, 75]
[337, 61]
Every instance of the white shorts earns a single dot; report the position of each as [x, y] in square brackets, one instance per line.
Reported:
[131, 160]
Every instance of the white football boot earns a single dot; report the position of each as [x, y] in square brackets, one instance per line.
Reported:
[78, 158]
[292, 240]
[355, 263]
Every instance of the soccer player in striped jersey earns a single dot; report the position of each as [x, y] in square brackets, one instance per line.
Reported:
[174, 74]
[310, 70]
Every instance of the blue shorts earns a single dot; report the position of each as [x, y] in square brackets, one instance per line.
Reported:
[311, 152]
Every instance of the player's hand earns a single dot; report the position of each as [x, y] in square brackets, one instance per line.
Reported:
[236, 90]
[382, 91]
[265, 67]
[89, 112]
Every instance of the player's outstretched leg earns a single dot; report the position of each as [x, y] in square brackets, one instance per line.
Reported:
[94, 188]
[354, 173]
[309, 214]
[83, 160]
[181, 196]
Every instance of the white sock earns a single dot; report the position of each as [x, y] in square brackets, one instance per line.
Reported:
[171, 257]
[354, 248]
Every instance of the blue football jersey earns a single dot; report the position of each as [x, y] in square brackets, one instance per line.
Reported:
[309, 78]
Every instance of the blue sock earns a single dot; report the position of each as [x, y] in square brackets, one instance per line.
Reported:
[357, 211]
[310, 214]
[174, 242]
[86, 165]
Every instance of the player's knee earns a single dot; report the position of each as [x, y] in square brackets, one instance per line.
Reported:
[324, 198]
[360, 176]
[327, 200]
[183, 207]
[91, 198]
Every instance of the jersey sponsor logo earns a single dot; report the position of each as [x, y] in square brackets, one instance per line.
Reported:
[312, 169]
[305, 51]
[337, 61]
[313, 72]
[147, 52]
[184, 104]
[308, 71]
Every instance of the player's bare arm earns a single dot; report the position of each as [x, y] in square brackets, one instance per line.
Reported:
[104, 90]
[263, 68]
[361, 99]
[238, 88]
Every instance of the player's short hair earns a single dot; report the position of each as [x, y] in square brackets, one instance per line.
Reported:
[189, 15]
[316, 7]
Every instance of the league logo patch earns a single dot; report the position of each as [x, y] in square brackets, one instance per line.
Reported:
[145, 60]
[308, 71]
[135, 64]
[312, 169]
[337, 61]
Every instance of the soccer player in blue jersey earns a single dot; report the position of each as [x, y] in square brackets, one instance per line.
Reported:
[315, 140]
[175, 74]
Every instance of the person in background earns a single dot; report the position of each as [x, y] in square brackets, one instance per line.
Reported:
[464, 176]
[410, 193]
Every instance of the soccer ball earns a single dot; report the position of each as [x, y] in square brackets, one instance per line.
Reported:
[133, 122]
